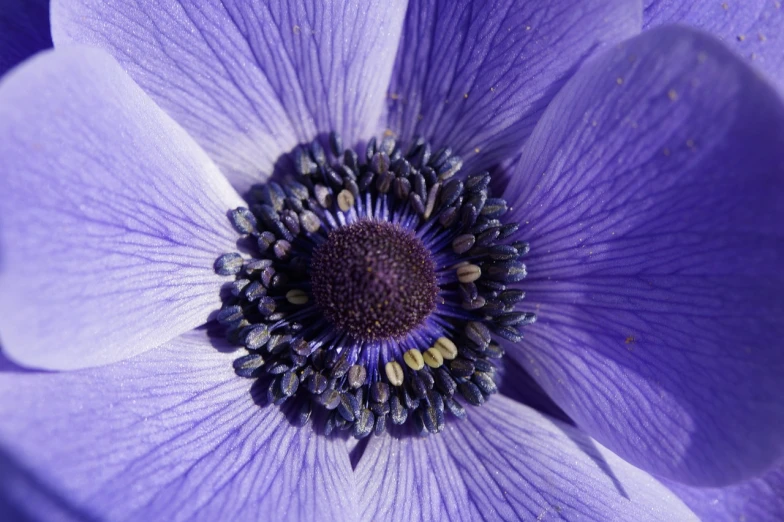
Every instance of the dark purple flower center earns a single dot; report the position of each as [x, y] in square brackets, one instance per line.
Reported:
[374, 280]
[375, 286]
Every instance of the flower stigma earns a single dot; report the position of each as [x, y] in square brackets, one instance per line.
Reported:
[374, 287]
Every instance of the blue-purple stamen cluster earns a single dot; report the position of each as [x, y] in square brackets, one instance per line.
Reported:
[399, 367]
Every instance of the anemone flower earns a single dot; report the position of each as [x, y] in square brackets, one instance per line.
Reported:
[276, 261]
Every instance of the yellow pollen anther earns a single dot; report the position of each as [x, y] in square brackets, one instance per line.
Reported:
[394, 373]
[433, 358]
[413, 359]
[447, 348]
[468, 273]
[297, 297]
[345, 200]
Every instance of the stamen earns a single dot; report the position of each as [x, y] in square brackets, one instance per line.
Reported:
[377, 286]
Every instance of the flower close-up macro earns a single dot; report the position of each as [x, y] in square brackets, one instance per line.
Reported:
[402, 260]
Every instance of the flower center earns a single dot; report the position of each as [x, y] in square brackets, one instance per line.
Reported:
[374, 280]
[375, 287]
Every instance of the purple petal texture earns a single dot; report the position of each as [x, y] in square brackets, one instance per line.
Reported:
[172, 434]
[507, 462]
[476, 75]
[249, 80]
[752, 28]
[112, 216]
[759, 500]
[24, 30]
[651, 192]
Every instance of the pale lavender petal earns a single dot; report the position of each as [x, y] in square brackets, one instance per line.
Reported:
[111, 217]
[651, 193]
[507, 462]
[171, 434]
[249, 80]
[760, 499]
[752, 28]
[476, 75]
[24, 30]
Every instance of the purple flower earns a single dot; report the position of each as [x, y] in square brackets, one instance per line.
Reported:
[644, 171]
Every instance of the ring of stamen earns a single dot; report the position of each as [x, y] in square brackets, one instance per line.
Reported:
[378, 288]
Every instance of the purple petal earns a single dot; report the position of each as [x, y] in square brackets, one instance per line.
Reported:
[760, 499]
[476, 76]
[111, 217]
[171, 434]
[752, 28]
[651, 194]
[514, 382]
[507, 462]
[249, 80]
[24, 30]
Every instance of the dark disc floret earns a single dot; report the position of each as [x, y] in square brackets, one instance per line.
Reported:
[373, 280]
[376, 286]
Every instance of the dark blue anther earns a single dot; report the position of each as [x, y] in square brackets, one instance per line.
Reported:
[510, 333]
[256, 336]
[380, 408]
[278, 368]
[449, 217]
[485, 383]
[401, 188]
[487, 237]
[484, 365]
[451, 190]
[471, 393]
[522, 247]
[302, 163]
[478, 333]
[230, 314]
[304, 412]
[397, 411]
[454, 407]
[266, 305]
[441, 156]
[444, 381]
[416, 203]
[381, 425]
[449, 168]
[331, 399]
[507, 271]
[380, 163]
[364, 424]
[494, 351]
[228, 264]
[502, 252]
[316, 384]
[249, 365]
[317, 153]
[238, 286]
[379, 391]
[477, 182]
[356, 376]
[384, 182]
[266, 240]
[348, 405]
[336, 144]
[463, 243]
[254, 291]
[508, 229]
[516, 318]
[494, 207]
[461, 368]
[289, 383]
[243, 220]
